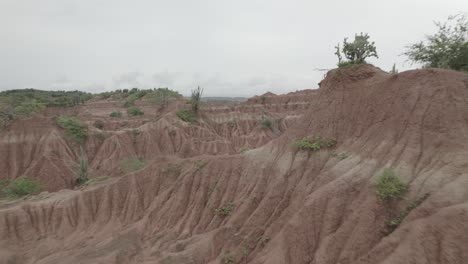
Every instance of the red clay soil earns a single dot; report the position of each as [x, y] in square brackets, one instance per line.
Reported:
[227, 190]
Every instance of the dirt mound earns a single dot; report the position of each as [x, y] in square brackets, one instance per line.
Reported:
[272, 203]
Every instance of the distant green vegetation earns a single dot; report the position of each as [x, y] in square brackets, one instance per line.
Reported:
[187, 115]
[131, 165]
[314, 145]
[20, 187]
[27, 108]
[134, 111]
[162, 96]
[48, 98]
[159, 96]
[115, 114]
[132, 94]
[16, 104]
[74, 128]
[389, 186]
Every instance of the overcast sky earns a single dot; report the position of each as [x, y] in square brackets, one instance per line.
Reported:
[231, 48]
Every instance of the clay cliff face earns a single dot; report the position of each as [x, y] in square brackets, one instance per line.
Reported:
[227, 190]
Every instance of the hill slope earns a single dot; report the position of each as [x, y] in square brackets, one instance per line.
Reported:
[203, 198]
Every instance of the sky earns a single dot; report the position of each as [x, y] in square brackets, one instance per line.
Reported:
[230, 48]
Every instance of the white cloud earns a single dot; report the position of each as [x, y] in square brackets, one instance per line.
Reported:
[240, 47]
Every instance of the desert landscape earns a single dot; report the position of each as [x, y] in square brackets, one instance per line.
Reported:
[233, 132]
[231, 187]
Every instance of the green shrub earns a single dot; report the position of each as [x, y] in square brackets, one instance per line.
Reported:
[357, 51]
[389, 186]
[134, 111]
[342, 156]
[226, 210]
[314, 145]
[267, 123]
[129, 103]
[447, 48]
[82, 173]
[115, 114]
[131, 165]
[98, 124]
[22, 186]
[187, 115]
[74, 128]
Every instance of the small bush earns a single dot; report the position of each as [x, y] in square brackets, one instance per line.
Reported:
[394, 222]
[226, 210]
[82, 173]
[115, 114]
[128, 103]
[98, 124]
[187, 115]
[243, 150]
[357, 51]
[314, 145]
[342, 156]
[74, 128]
[96, 180]
[131, 165]
[134, 111]
[389, 186]
[196, 99]
[229, 259]
[267, 123]
[22, 186]
[199, 164]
